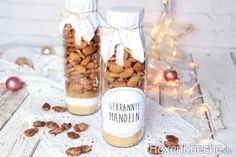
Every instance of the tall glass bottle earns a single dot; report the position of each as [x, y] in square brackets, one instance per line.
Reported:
[124, 71]
[82, 59]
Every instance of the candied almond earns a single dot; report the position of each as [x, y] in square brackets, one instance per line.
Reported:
[66, 126]
[39, 123]
[73, 151]
[31, 132]
[155, 150]
[171, 145]
[73, 135]
[81, 127]
[55, 131]
[46, 107]
[52, 125]
[85, 149]
[59, 108]
[172, 138]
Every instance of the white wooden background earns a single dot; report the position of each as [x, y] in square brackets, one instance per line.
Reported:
[216, 73]
[35, 22]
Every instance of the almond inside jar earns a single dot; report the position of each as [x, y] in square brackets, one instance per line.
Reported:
[131, 74]
[81, 64]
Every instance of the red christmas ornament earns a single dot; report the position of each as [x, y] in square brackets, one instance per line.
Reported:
[13, 83]
[170, 75]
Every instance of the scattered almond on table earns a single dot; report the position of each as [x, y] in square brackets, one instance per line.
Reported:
[46, 107]
[81, 127]
[172, 142]
[31, 132]
[39, 124]
[55, 131]
[73, 135]
[59, 108]
[75, 151]
[52, 124]
[66, 126]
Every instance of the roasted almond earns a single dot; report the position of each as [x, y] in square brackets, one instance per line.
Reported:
[138, 67]
[73, 151]
[89, 50]
[127, 63]
[82, 45]
[74, 58]
[133, 81]
[46, 107]
[114, 75]
[31, 132]
[115, 68]
[81, 127]
[91, 65]
[128, 72]
[66, 126]
[52, 125]
[39, 124]
[59, 108]
[86, 60]
[73, 135]
[172, 138]
[171, 145]
[119, 84]
[85, 149]
[55, 131]
[80, 68]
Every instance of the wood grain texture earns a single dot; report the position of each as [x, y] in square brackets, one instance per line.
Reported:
[9, 103]
[199, 121]
[13, 143]
[217, 73]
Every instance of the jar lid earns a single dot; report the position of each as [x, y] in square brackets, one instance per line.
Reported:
[78, 6]
[126, 16]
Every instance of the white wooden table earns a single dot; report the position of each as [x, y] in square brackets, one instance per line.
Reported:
[216, 73]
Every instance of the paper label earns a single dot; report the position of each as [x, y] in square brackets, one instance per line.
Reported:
[123, 111]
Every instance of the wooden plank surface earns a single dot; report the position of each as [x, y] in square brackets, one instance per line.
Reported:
[217, 73]
[9, 103]
[13, 143]
[167, 98]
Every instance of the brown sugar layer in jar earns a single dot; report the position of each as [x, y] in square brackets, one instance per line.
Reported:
[122, 141]
[131, 74]
[81, 65]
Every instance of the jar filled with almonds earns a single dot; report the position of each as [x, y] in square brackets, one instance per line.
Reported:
[81, 57]
[124, 71]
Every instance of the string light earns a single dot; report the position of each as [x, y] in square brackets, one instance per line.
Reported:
[191, 90]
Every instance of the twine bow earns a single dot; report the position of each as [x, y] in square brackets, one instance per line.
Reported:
[83, 26]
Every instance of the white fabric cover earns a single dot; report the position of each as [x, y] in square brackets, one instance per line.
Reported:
[124, 27]
[82, 15]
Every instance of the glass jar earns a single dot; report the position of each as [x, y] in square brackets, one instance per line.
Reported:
[124, 71]
[81, 57]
